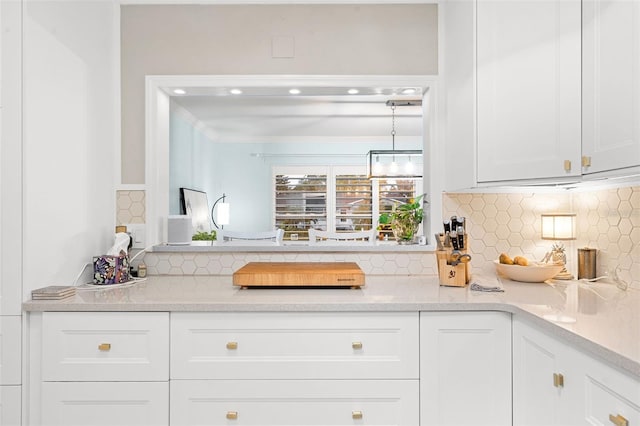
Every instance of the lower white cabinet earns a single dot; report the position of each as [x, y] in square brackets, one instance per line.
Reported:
[98, 369]
[10, 406]
[611, 397]
[546, 379]
[305, 368]
[554, 384]
[10, 350]
[465, 368]
[294, 402]
[105, 403]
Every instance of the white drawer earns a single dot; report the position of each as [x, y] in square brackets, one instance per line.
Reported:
[10, 406]
[611, 397]
[109, 346]
[10, 350]
[294, 402]
[110, 403]
[294, 346]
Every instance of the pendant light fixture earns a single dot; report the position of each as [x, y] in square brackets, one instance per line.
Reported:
[393, 163]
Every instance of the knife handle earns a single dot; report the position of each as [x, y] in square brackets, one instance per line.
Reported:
[454, 242]
[460, 238]
[447, 240]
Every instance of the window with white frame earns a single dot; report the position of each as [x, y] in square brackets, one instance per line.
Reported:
[333, 198]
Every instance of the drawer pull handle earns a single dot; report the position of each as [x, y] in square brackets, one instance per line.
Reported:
[558, 380]
[232, 415]
[356, 415]
[618, 420]
[104, 346]
[356, 345]
[232, 345]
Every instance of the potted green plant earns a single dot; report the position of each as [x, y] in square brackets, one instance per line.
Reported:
[405, 219]
[204, 236]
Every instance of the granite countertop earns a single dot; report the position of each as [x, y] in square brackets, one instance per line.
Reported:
[600, 319]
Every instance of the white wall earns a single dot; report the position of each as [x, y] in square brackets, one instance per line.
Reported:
[191, 154]
[11, 158]
[329, 39]
[70, 133]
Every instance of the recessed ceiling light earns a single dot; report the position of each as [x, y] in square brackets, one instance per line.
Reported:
[353, 91]
[294, 91]
[179, 91]
[409, 91]
[235, 91]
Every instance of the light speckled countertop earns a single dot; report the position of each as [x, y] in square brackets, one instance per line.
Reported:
[603, 320]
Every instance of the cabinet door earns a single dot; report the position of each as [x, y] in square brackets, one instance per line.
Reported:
[105, 404]
[547, 380]
[294, 402]
[465, 361]
[528, 89]
[611, 84]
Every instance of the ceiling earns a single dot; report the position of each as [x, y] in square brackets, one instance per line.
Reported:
[317, 114]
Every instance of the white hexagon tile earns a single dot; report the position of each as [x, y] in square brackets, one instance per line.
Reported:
[607, 220]
[130, 206]
[225, 263]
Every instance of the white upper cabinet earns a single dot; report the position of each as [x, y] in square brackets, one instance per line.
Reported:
[528, 89]
[611, 85]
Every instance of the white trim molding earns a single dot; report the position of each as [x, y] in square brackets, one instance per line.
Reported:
[157, 128]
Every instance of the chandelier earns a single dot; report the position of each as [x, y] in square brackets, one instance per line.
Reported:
[395, 163]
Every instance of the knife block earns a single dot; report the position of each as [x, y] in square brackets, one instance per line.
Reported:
[450, 275]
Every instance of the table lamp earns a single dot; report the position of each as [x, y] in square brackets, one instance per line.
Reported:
[559, 226]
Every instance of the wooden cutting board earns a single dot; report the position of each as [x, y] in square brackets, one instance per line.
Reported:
[302, 274]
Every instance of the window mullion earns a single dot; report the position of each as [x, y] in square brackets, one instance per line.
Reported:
[331, 199]
[375, 202]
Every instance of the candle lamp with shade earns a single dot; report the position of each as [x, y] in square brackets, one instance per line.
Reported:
[559, 227]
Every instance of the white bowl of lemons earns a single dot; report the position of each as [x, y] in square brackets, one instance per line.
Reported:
[520, 269]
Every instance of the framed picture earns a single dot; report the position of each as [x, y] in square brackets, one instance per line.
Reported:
[195, 204]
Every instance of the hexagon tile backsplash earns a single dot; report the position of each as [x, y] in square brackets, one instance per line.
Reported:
[608, 220]
[389, 263]
[130, 207]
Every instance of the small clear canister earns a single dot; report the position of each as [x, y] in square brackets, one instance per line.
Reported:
[586, 263]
